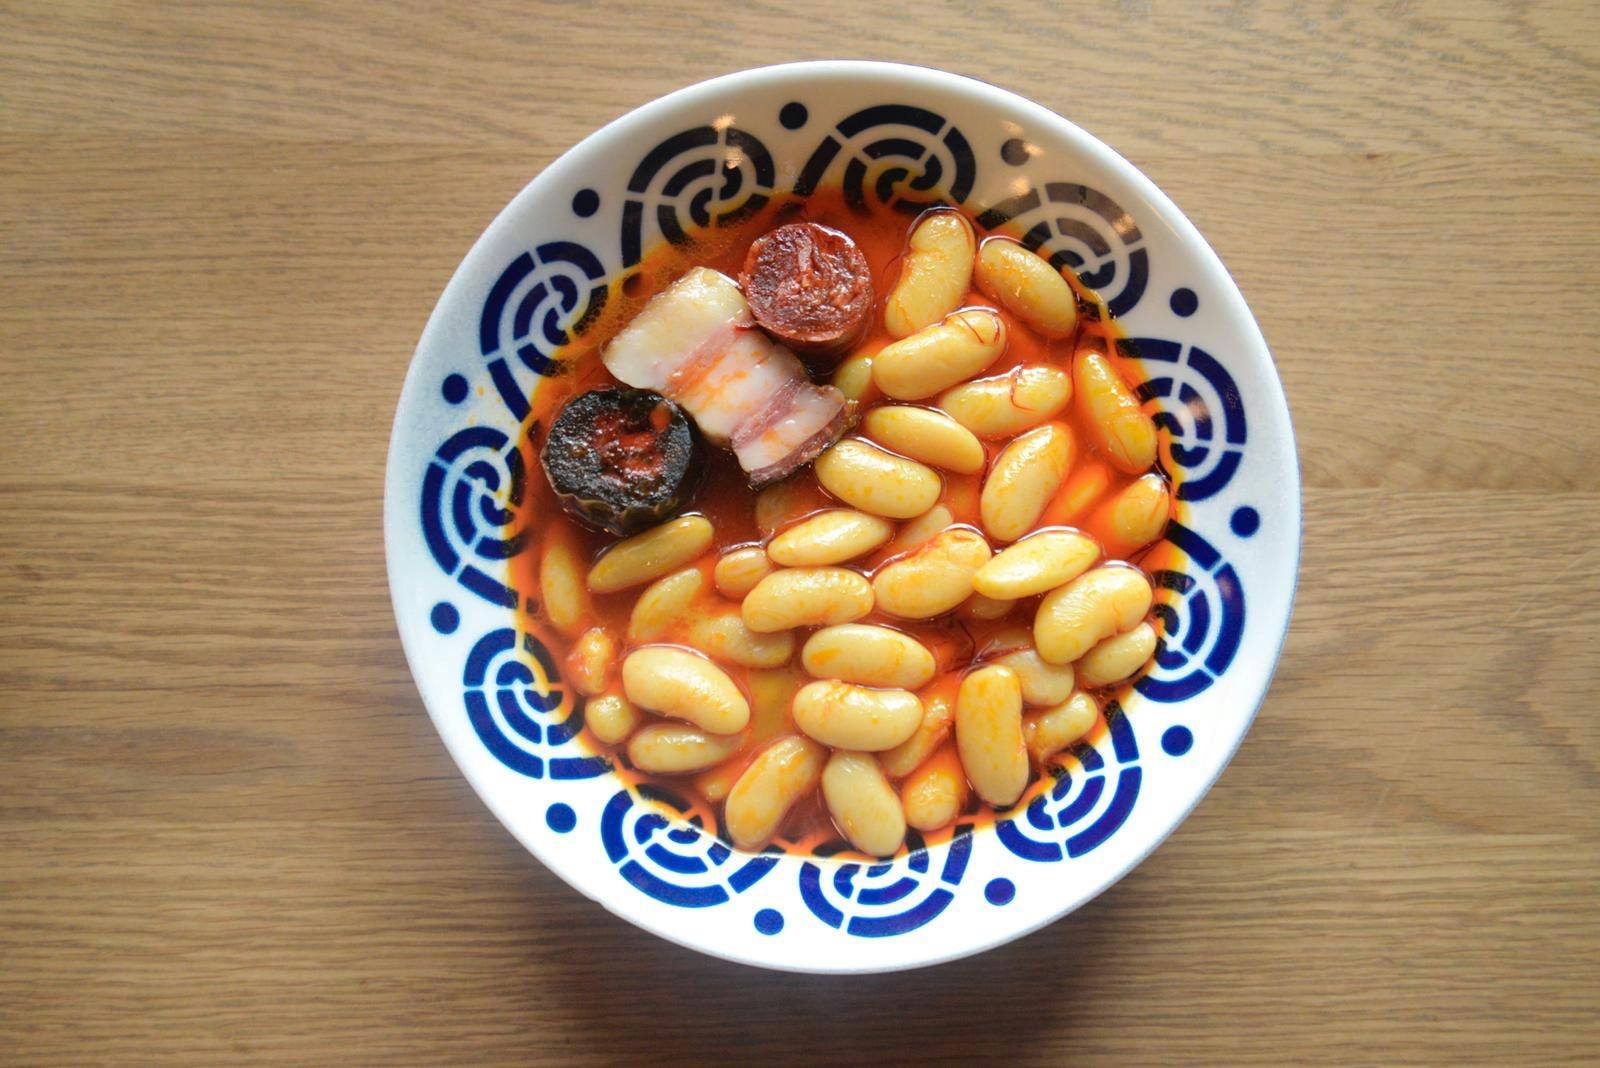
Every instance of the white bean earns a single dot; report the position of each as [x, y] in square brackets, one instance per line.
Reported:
[1092, 607]
[1118, 657]
[933, 579]
[738, 571]
[871, 480]
[937, 357]
[868, 655]
[677, 683]
[845, 716]
[924, 434]
[921, 530]
[1007, 405]
[610, 718]
[723, 636]
[643, 557]
[1037, 563]
[589, 664]
[1052, 730]
[679, 749]
[1042, 683]
[934, 275]
[863, 804]
[1138, 514]
[1025, 475]
[937, 715]
[780, 775]
[853, 378]
[989, 734]
[934, 794]
[1121, 428]
[986, 609]
[561, 588]
[1024, 284]
[830, 537]
[806, 597]
[663, 603]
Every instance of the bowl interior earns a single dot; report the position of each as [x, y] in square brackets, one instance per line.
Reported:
[908, 137]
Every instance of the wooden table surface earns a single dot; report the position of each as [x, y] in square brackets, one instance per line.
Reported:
[228, 832]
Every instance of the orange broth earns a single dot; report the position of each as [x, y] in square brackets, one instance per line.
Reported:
[726, 499]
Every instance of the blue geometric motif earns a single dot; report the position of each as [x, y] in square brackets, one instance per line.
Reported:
[697, 178]
[541, 301]
[471, 491]
[1081, 228]
[910, 158]
[1069, 820]
[515, 721]
[1201, 611]
[890, 898]
[1201, 409]
[675, 861]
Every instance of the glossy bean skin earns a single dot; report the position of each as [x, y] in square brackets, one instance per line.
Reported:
[853, 378]
[1118, 657]
[935, 273]
[1005, 406]
[925, 435]
[722, 635]
[738, 571]
[1049, 731]
[1024, 284]
[1025, 475]
[1122, 430]
[806, 597]
[937, 357]
[868, 656]
[989, 734]
[611, 718]
[783, 502]
[986, 609]
[935, 578]
[679, 684]
[934, 794]
[1037, 563]
[781, 774]
[589, 663]
[771, 692]
[1092, 607]
[830, 537]
[561, 586]
[862, 803]
[664, 602]
[845, 716]
[870, 480]
[1137, 515]
[938, 716]
[679, 749]
[1042, 683]
[647, 556]
[919, 531]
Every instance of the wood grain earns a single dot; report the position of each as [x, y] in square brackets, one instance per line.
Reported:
[228, 832]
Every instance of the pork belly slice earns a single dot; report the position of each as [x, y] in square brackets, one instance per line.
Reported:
[698, 344]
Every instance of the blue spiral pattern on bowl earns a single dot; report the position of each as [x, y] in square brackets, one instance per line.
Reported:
[1080, 812]
[675, 861]
[908, 158]
[514, 700]
[887, 898]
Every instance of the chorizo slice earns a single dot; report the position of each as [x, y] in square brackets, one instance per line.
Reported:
[809, 287]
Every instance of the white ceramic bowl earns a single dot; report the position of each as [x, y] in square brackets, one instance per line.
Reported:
[691, 157]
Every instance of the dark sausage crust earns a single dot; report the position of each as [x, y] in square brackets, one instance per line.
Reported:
[810, 287]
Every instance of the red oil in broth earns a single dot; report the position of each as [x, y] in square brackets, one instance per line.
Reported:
[727, 501]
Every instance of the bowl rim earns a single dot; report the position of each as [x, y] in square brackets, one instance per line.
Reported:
[991, 96]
